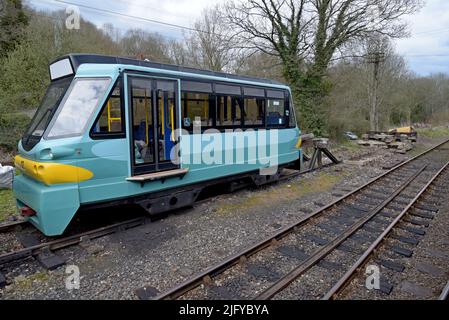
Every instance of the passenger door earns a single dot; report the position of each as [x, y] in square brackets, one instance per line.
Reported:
[153, 118]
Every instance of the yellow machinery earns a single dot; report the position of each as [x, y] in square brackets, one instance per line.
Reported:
[403, 130]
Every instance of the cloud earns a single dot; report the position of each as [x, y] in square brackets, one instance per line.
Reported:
[425, 50]
[179, 12]
[183, 12]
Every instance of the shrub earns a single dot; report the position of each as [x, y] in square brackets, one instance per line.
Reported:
[12, 127]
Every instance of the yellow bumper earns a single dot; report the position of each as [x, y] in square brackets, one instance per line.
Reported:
[52, 173]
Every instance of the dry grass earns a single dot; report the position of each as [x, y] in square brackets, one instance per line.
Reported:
[438, 132]
[27, 283]
[281, 193]
[7, 204]
[349, 145]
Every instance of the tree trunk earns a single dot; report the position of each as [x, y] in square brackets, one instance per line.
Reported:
[374, 112]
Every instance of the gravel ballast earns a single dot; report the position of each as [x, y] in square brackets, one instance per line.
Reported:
[163, 253]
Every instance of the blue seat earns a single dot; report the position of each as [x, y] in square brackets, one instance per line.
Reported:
[274, 117]
[140, 133]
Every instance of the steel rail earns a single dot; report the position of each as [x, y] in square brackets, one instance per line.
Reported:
[332, 245]
[445, 293]
[69, 241]
[6, 227]
[355, 267]
[204, 276]
[91, 234]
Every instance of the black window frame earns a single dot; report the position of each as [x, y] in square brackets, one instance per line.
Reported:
[156, 165]
[286, 107]
[222, 128]
[292, 112]
[111, 135]
[186, 82]
[215, 96]
[140, 168]
[212, 99]
[264, 121]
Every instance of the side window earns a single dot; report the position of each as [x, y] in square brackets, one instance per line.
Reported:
[143, 124]
[197, 107]
[254, 106]
[197, 104]
[276, 112]
[229, 105]
[292, 116]
[229, 111]
[111, 119]
[254, 111]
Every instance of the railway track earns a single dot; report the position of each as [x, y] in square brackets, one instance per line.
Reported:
[45, 251]
[7, 227]
[409, 210]
[353, 227]
[11, 226]
[445, 293]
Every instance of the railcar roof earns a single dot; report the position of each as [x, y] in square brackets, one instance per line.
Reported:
[79, 59]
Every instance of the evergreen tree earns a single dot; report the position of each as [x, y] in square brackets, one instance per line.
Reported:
[13, 20]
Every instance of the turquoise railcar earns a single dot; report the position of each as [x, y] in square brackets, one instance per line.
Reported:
[113, 130]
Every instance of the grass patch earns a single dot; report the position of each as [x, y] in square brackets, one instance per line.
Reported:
[285, 192]
[26, 283]
[7, 204]
[418, 149]
[439, 132]
[349, 145]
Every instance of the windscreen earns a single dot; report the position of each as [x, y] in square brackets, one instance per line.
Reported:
[44, 113]
[76, 110]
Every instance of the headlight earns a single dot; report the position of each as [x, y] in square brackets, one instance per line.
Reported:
[299, 143]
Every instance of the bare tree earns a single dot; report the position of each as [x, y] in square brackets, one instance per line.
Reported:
[178, 53]
[308, 34]
[261, 65]
[274, 27]
[113, 33]
[211, 46]
[138, 43]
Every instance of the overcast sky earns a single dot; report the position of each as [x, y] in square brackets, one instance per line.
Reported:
[426, 51]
